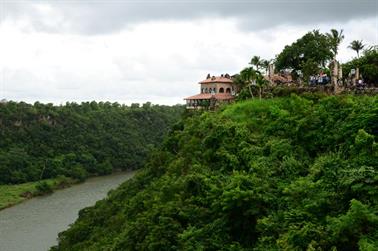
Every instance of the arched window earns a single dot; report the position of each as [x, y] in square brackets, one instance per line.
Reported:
[221, 90]
[228, 90]
[214, 90]
[205, 90]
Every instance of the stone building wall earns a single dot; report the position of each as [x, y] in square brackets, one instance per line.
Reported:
[217, 87]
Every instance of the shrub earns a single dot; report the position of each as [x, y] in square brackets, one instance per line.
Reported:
[43, 188]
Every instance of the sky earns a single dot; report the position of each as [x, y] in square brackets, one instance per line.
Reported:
[131, 51]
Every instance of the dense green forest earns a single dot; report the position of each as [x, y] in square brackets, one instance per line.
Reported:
[291, 173]
[43, 141]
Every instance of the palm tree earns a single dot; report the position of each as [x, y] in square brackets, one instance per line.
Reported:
[239, 81]
[357, 46]
[253, 78]
[256, 61]
[260, 83]
[265, 65]
[335, 37]
[248, 75]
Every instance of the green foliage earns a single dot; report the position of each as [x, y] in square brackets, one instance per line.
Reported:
[335, 37]
[43, 141]
[78, 172]
[293, 173]
[313, 49]
[357, 46]
[43, 187]
[105, 167]
[204, 103]
[368, 65]
[250, 79]
[310, 67]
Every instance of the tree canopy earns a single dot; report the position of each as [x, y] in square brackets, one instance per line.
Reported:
[293, 173]
[335, 37]
[42, 141]
[308, 54]
[357, 46]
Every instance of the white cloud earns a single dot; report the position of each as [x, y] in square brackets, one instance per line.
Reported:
[101, 17]
[158, 61]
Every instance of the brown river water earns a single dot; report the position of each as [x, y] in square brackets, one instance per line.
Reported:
[34, 224]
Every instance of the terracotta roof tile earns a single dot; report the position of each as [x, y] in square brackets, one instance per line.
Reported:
[200, 96]
[278, 78]
[219, 96]
[220, 79]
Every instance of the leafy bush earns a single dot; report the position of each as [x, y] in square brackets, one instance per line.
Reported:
[105, 168]
[43, 188]
[78, 172]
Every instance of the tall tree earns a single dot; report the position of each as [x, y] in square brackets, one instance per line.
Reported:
[265, 65]
[256, 61]
[357, 46]
[261, 82]
[253, 79]
[335, 38]
[249, 76]
[239, 81]
[313, 47]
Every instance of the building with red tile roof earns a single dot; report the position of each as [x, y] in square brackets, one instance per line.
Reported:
[214, 91]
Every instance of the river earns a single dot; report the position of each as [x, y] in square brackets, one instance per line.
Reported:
[34, 224]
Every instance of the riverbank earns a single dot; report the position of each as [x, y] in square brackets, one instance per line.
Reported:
[11, 195]
[34, 224]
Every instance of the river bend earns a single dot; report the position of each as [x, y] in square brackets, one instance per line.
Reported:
[34, 224]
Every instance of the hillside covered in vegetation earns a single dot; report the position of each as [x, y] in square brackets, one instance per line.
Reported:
[43, 141]
[292, 173]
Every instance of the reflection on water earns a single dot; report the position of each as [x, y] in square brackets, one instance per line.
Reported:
[34, 224]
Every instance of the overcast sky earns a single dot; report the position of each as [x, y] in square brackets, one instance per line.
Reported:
[137, 51]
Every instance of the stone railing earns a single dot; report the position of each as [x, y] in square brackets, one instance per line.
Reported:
[284, 90]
